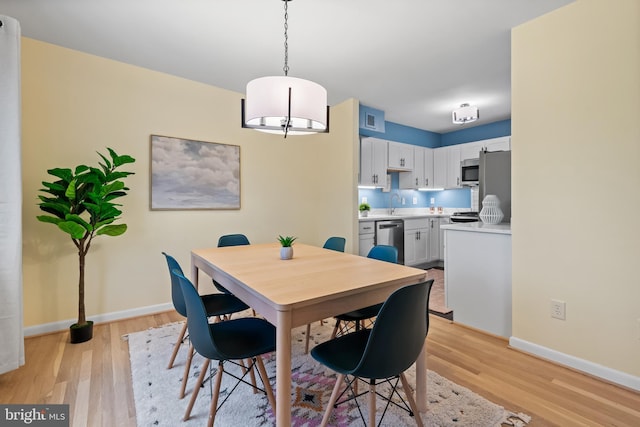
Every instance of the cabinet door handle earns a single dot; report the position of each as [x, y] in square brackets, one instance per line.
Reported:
[416, 181]
[458, 180]
[426, 181]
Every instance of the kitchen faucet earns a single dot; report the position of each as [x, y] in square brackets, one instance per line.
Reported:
[391, 208]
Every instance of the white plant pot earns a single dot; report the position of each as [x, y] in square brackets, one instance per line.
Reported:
[286, 252]
[364, 214]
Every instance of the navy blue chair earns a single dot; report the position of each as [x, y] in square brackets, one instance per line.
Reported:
[218, 305]
[231, 341]
[358, 317]
[335, 244]
[381, 354]
[230, 240]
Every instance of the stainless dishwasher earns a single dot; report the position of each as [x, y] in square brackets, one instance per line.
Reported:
[391, 232]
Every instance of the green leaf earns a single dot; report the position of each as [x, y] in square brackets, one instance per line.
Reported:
[107, 165]
[79, 220]
[73, 228]
[110, 188]
[112, 230]
[70, 193]
[64, 174]
[49, 219]
[81, 168]
[54, 187]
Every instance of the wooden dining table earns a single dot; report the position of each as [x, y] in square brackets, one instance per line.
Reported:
[315, 284]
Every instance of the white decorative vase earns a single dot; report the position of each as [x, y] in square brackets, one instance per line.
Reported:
[491, 212]
[286, 252]
[364, 214]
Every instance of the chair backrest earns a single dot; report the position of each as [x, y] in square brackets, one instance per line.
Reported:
[384, 253]
[398, 334]
[197, 321]
[176, 292]
[233, 240]
[335, 243]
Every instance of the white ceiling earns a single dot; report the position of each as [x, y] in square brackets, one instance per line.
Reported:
[414, 59]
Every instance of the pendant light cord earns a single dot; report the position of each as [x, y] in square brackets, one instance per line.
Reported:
[286, 38]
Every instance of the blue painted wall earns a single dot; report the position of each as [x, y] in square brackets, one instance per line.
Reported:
[478, 133]
[456, 198]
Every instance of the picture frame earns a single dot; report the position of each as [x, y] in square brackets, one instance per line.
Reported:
[187, 174]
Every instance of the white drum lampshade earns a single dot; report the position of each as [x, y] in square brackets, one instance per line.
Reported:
[270, 100]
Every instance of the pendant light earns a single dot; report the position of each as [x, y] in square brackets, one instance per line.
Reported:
[465, 114]
[283, 104]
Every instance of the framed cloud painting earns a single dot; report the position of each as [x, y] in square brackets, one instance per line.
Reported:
[187, 174]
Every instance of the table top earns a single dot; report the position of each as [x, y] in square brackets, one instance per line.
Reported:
[312, 276]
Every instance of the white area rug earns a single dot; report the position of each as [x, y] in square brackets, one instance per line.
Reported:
[156, 390]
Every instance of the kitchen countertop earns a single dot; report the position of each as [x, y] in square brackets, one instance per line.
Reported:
[479, 227]
[406, 213]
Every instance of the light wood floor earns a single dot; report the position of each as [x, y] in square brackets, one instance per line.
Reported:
[95, 378]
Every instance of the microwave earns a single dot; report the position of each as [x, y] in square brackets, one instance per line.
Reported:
[469, 172]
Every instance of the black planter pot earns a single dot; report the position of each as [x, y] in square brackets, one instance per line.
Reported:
[78, 334]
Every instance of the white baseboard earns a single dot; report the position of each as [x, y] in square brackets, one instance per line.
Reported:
[582, 365]
[101, 318]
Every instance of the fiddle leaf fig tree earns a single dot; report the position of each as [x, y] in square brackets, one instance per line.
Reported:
[80, 202]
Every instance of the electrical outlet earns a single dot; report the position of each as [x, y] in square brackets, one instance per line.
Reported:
[558, 309]
[415, 200]
[403, 201]
[364, 200]
[433, 200]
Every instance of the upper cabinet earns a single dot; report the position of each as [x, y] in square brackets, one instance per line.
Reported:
[472, 150]
[422, 174]
[400, 156]
[373, 162]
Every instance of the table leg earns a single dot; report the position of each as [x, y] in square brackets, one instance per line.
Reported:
[194, 274]
[421, 379]
[283, 369]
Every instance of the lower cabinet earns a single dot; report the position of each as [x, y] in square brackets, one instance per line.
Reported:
[367, 235]
[416, 241]
[442, 221]
[434, 240]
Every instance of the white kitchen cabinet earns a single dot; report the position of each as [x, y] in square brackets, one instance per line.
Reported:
[446, 167]
[373, 162]
[497, 144]
[422, 174]
[400, 156]
[434, 240]
[477, 276]
[470, 150]
[366, 234]
[440, 167]
[442, 221]
[416, 241]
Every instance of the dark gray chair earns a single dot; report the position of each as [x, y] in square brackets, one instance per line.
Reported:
[216, 305]
[230, 341]
[381, 354]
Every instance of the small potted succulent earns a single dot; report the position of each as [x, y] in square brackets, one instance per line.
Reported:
[364, 209]
[286, 251]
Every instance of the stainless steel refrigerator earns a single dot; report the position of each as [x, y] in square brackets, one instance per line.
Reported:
[495, 178]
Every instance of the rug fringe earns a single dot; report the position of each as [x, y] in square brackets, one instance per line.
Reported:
[515, 420]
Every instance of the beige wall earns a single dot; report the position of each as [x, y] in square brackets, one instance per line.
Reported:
[75, 104]
[576, 179]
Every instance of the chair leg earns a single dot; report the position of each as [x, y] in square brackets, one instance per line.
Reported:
[196, 390]
[216, 393]
[177, 346]
[187, 367]
[265, 382]
[412, 403]
[335, 329]
[332, 400]
[372, 403]
[306, 344]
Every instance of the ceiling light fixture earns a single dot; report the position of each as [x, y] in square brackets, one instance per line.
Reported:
[465, 114]
[276, 104]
